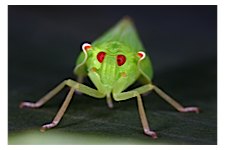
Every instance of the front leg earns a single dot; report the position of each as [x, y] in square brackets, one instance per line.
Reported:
[118, 96]
[175, 104]
[171, 101]
[144, 121]
[74, 86]
[95, 78]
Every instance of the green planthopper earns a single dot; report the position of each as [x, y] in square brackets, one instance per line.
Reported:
[113, 62]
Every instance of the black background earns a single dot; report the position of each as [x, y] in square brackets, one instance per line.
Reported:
[181, 41]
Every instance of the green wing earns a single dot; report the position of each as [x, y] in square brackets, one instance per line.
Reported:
[124, 32]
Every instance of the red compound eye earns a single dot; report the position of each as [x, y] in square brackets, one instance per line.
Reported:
[121, 59]
[101, 56]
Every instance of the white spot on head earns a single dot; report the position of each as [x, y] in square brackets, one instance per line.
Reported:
[85, 46]
[142, 54]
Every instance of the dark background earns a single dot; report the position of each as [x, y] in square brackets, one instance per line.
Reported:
[44, 42]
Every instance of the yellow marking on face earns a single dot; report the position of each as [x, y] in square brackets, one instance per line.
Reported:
[93, 69]
[123, 74]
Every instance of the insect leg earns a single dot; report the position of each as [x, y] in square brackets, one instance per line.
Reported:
[144, 120]
[109, 101]
[44, 99]
[166, 97]
[175, 104]
[95, 78]
[74, 85]
[61, 110]
[130, 94]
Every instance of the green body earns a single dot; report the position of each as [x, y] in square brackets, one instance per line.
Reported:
[122, 39]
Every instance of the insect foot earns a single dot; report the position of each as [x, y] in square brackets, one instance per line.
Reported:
[151, 133]
[189, 109]
[28, 104]
[48, 126]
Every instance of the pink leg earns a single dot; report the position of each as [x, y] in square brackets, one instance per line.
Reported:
[189, 109]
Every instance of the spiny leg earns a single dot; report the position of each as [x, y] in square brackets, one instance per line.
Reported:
[61, 111]
[175, 104]
[130, 94]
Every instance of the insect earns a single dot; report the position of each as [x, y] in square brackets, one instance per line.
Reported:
[113, 62]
